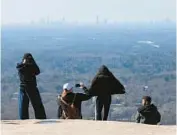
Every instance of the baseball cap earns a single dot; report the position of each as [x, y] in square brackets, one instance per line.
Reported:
[67, 86]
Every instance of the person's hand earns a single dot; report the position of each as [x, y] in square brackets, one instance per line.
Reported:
[24, 61]
[81, 85]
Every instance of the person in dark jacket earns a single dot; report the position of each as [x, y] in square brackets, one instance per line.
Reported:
[70, 97]
[28, 70]
[148, 113]
[103, 86]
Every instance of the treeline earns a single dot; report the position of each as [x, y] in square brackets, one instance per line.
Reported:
[74, 55]
[57, 69]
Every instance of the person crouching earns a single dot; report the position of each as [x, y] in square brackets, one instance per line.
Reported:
[148, 113]
[70, 103]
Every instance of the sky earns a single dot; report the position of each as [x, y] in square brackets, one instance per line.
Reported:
[86, 11]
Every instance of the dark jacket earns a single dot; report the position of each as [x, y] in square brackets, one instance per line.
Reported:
[77, 103]
[27, 73]
[105, 83]
[148, 115]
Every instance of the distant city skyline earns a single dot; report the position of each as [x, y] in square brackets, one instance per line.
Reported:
[91, 11]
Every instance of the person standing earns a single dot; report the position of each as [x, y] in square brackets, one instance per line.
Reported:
[103, 86]
[148, 113]
[27, 71]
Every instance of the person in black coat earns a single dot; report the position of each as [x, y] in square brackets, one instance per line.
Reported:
[103, 86]
[148, 113]
[27, 71]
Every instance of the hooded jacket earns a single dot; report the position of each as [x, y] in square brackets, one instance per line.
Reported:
[27, 71]
[105, 83]
[148, 115]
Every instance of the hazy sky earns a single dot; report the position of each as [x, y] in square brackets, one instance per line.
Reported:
[14, 11]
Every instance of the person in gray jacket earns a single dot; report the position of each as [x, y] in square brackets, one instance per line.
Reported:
[148, 113]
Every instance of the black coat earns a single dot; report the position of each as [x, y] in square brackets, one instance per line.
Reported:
[27, 73]
[105, 83]
[148, 115]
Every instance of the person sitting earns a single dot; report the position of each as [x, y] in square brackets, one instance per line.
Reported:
[70, 102]
[148, 113]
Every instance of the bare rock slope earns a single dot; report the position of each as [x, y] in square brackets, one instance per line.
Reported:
[81, 127]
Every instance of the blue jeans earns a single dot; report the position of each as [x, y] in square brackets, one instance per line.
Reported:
[32, 94]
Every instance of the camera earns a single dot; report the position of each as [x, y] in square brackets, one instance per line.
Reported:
[77, 85]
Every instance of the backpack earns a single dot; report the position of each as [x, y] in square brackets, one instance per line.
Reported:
[70, 111]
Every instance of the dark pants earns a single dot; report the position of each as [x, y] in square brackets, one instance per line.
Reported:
[32, 94]
[102, 102]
